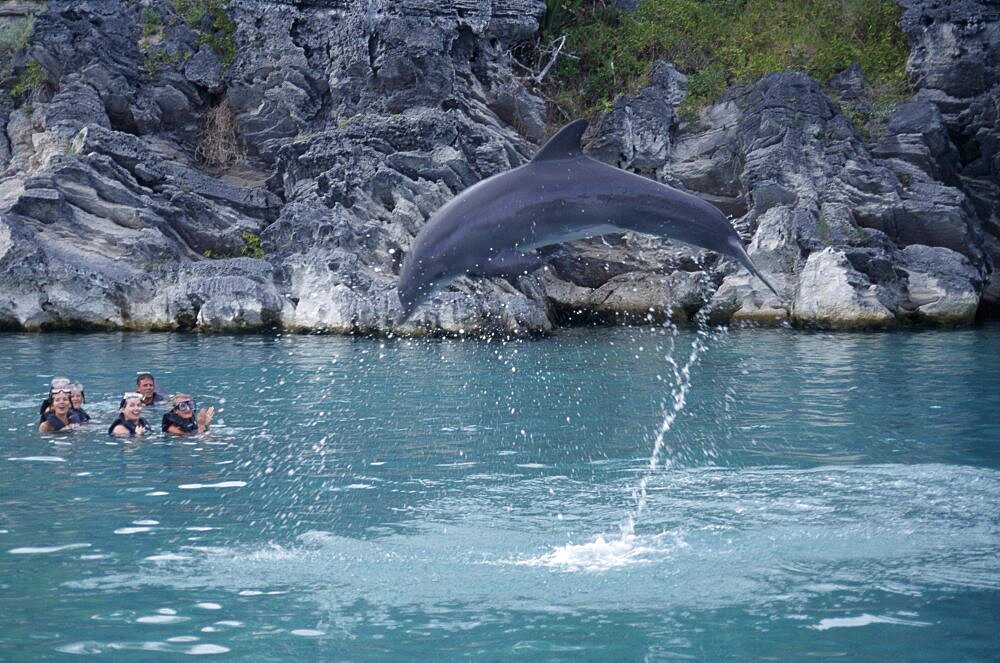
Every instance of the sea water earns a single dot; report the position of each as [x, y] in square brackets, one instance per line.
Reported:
[624, 494]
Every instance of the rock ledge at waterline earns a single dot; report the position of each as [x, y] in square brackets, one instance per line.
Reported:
[357, 124]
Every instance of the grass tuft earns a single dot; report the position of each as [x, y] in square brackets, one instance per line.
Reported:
[717, 43]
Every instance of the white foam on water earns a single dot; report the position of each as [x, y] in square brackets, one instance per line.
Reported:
[162, 619]
[184, 638]
[602, 555]
[200, 529]
[208, 606]
[307, 632]
[532, 466]
[156, 493]
[222, 484]
[43, 550]
[89, 647]
[145, 522]
[167, 557]
[863, 620]
[133, 530]
[204, 650]
[38, 459]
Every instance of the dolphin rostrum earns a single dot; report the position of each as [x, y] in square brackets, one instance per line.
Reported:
[558, 196]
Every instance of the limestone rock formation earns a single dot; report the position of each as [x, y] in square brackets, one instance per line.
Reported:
[269, 167]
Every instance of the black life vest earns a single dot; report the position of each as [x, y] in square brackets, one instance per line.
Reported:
[78, 416]
[186, 425]
[55, 422]
[130, 425]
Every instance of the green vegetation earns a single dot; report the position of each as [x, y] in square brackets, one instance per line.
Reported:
[251, 248]
[209, 20]
[151, 23]
[823, 227]
[717, 43]
[14, 36]
[157, 59]
[30, 81]
[251, 245]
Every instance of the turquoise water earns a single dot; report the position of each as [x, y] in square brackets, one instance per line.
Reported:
[817, 495]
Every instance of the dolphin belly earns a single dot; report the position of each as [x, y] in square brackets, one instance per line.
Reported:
[560, 196]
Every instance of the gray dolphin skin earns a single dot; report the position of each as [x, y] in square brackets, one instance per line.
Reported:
[558, 196]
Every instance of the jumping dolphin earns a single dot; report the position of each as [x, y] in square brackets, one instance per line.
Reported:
[560, 195]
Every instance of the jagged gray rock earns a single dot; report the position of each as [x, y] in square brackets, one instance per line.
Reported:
[352, 124]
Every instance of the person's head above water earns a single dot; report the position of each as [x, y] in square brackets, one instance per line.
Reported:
[59, 383]
[76, 395]
[60, 403]
[146, 385]
[185, 418]
[183, 405]
[131, 405]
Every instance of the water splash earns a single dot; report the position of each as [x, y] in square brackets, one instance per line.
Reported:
[672, 408]
[628, 548]
[603, 555]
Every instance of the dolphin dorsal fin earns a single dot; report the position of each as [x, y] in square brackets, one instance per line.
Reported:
[565, 144]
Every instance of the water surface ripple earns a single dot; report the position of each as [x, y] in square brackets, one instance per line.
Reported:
[784, 495]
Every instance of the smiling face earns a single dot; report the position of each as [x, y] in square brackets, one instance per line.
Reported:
[60, 403]
[132, 409]
[184, 407]
[76, 399]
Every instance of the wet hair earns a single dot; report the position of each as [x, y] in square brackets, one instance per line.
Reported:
[46, 404]
[143, 376]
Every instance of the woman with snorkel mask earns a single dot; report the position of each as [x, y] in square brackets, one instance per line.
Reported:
[129, 422]
[182, 418]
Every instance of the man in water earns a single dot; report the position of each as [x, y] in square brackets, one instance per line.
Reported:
[181, 420]
[145, 384]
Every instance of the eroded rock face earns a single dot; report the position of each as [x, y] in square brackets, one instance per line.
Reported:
[348, 125]
[833, 294]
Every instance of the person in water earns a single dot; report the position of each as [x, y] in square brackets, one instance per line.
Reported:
[76, 400]
[57, 418]
[184, 418]
[129, 422]
[145, 384]
[56, 383]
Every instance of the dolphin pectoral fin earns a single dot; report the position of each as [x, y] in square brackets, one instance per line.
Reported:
[510, 262]
[565, 144]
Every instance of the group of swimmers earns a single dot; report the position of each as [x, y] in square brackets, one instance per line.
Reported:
[63, 410]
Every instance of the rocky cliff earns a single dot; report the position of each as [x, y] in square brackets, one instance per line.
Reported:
[252, 164]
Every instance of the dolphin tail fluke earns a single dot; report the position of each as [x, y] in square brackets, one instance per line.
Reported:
[744, 258]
